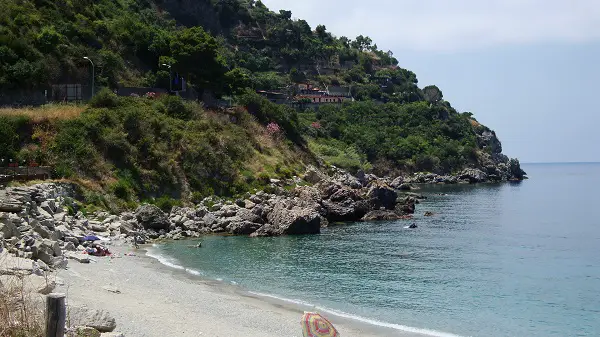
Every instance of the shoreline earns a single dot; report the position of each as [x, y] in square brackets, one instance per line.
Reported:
[296, 305]
[157, 300]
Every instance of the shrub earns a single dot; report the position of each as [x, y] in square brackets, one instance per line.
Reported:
[264, 178]
[105, 99]
[175, 108]
[166, 203]
[122, 189]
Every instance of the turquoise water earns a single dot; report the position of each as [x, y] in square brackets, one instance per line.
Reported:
[514, 259]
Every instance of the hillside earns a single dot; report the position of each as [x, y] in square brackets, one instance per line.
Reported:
[342, 101]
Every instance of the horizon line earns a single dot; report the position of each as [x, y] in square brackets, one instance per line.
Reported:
[561, 162]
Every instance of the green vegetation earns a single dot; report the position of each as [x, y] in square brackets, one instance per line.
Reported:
[154, 150]
[413, 136]
[164, 149]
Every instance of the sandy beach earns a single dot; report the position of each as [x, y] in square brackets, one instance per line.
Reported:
[155, 300]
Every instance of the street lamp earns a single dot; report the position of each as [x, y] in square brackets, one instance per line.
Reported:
[170, 79]
[93, 73]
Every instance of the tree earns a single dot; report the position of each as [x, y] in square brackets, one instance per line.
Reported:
[237, 80]
[197, 53]
[321, 31]
[432, 94]
[362, 43]
[286, 15]
[345, 42]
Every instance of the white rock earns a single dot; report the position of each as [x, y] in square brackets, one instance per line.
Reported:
[81, 258]
[97, 319]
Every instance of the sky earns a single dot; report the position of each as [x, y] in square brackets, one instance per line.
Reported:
[528, 69]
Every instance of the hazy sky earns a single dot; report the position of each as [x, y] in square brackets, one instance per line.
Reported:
[529, 69]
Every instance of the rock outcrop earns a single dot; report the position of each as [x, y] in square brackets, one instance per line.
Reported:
[152, 217]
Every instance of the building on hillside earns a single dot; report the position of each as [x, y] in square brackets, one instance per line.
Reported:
[335, 90]
[73, 92]
[276, 97]
[310, 96]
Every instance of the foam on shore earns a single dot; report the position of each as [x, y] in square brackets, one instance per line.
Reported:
[173, 263]
[361, 319]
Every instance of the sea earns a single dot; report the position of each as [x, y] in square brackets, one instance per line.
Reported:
[508, 259]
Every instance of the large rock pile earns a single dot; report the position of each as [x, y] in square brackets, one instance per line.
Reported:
[35, 223]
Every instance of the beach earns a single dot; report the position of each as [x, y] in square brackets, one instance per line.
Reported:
[155, 300]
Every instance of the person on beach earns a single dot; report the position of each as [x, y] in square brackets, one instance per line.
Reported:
[136, 240]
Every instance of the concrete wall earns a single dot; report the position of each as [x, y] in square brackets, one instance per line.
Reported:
[24, 173]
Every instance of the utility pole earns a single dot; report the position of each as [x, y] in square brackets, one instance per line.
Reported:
[170, 79]
[93, 74]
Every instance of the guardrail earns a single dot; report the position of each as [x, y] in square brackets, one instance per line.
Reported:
[24, 173]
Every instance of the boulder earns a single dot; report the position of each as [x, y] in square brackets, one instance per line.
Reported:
[473, 175]
[249, 216]
[380, 215]
[97, 319]
[287, 219]
[243, 227]
[428, 213]
[8, 229]
[397, 183]
[382, 195]
[407, 206]
[83, 331]
[59, 262]
[209, 219]
[39, 284]
[248, 204]
[45, 205]
[314, 176]
[344, 211]
[42, 231]
[81, 258]
[43, 250]
[152, 217]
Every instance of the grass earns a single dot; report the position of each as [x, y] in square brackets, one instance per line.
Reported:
[20, 314]
[45, 112]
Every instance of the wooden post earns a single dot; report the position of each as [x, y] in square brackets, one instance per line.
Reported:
[56, 315]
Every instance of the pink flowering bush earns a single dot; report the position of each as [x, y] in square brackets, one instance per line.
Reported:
[316, 125]
[274, 130]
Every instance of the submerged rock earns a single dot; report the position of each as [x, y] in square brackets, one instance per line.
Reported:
[381, 215]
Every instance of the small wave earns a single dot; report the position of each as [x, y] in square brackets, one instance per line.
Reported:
[169, 262]
[427, 332]
[172, 263]
[400, 327]
[299, 302]
[194, 272]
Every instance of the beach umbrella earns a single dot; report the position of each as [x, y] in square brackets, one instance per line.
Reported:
[90, 238]
[315, 325]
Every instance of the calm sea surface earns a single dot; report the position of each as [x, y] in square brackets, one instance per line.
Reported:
[514, 259]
